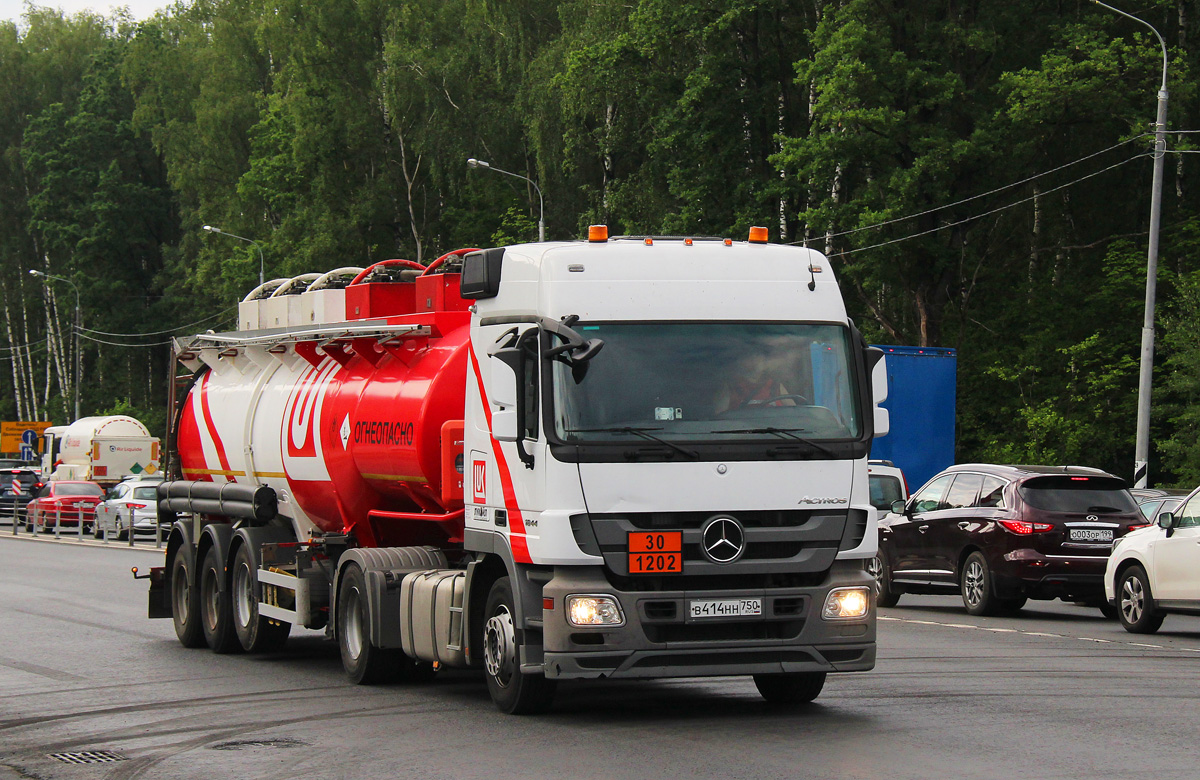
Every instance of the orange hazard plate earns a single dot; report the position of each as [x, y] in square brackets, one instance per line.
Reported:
[657, 552]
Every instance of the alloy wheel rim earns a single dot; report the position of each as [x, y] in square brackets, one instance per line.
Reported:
[1132, 599]
[875, 569]
[973, 583]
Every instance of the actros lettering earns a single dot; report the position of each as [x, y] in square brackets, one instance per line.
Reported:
[398, 434]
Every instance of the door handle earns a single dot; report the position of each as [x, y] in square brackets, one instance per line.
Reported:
[923, 528]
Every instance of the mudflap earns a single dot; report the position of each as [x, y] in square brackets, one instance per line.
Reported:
[159, 602]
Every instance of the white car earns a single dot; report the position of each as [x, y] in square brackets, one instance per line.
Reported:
[1155, 571]
[131, 503]
[888, 485]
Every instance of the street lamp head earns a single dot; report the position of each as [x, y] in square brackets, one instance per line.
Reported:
[36, 272]
[473, 163]
[210, 229]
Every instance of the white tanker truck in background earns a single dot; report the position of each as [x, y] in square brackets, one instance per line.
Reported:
[632, 458]
[103, 449]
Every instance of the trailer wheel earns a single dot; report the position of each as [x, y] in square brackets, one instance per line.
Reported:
[790, 688]
[255, 633]
[185, 598]
[216, 616]
[512, 691]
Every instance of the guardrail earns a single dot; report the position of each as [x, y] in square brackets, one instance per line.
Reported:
[20, 519]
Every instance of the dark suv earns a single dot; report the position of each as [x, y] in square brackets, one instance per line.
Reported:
[999, 535]
[17, 488]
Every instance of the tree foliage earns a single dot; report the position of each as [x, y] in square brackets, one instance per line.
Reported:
[979, 172]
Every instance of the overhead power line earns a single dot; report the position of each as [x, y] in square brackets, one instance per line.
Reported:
[220, 314]
[995, 210]
[1002, 188]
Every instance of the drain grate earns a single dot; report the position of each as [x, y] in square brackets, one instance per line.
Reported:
[88, 757]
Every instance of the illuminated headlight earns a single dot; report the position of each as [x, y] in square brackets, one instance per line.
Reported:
[594, 611]
[845, 603]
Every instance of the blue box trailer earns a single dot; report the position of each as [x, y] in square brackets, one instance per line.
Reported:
[921, 393]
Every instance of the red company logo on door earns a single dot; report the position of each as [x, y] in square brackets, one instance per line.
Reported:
[479, 481]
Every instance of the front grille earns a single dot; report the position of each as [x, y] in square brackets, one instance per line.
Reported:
[795, 541]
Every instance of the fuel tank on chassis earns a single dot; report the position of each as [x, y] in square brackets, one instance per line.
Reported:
[343, 442]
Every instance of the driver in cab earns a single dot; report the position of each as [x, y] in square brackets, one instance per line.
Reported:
[756, 379]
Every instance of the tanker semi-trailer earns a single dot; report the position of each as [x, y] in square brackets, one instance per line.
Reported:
[638, 457]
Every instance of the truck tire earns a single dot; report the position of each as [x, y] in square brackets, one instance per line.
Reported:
[365, 663]
[215, 613]
[255, 633]
[512, 691]
[790, 687]
[185, 598]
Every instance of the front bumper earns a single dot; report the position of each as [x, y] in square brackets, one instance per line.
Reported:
[659, 639]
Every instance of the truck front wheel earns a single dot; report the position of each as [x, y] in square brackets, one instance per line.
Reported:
[790, 688]
[215, 614]
[185, 598]
[512, 691]
[255, 633]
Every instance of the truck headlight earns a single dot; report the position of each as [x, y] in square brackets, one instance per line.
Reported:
[594, 611]
[846, 603]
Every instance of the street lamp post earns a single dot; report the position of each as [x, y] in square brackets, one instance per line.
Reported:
[1141, 454]
[78, 327]
[261, 277]
[473, 163]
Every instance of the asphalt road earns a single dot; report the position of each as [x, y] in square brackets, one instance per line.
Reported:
[1057, 692]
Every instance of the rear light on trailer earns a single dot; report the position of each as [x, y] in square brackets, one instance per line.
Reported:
[1022, 528]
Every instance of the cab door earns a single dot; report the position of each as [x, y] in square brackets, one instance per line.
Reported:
[1175, 574]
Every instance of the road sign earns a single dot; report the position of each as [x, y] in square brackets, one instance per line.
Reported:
[27, 452]
[15, 435]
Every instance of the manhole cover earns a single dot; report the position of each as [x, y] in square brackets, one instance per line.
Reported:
[88, 757]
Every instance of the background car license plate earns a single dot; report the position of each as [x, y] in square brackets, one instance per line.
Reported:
[1091, 535]
[724, 608]
[657, 552]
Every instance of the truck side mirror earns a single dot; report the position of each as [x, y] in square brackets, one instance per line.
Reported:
[882, 422]
[504, 395]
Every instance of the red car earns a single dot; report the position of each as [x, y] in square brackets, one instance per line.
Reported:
[68, 503]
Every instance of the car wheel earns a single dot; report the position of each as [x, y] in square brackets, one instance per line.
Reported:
[512, 691]
[884, 595]
[1135, 603]
[97, 531]
[790, 688]
[976, 586]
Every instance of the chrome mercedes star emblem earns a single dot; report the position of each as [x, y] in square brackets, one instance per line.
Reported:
[723, 539]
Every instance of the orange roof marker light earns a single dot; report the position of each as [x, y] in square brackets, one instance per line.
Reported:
[729, 242]
[597, 233]
[758, 235]
[687, 242]
[649, 241]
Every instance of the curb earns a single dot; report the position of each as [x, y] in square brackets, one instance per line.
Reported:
[82, 543]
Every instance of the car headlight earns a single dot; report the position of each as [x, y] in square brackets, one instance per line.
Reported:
[591, 610]
[846, 604]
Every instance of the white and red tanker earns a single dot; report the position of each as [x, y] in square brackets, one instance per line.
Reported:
[637, 457]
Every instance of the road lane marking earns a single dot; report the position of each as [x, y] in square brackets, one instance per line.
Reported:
[1036, 633]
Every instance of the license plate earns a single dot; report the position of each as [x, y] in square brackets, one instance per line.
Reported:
[656, 552]
[1091, 535]
[724, 608]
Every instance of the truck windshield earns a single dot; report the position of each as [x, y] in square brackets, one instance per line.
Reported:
[710, 382]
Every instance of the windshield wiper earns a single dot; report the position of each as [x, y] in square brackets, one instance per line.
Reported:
[643, 433]
[786, 433]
